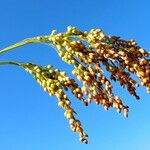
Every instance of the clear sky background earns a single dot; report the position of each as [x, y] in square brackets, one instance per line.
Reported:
[29, 118]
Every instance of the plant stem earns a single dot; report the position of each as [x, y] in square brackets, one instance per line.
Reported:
[10, 63]
[25, 42]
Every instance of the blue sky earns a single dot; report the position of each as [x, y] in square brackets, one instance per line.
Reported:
[29, 118]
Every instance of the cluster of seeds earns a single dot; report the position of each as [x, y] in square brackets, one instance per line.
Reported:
[57, 83]
[88, 51]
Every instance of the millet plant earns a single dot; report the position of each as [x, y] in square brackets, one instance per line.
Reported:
[89, 52]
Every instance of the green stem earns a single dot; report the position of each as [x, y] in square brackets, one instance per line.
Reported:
[41, 39]
[10, 63]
